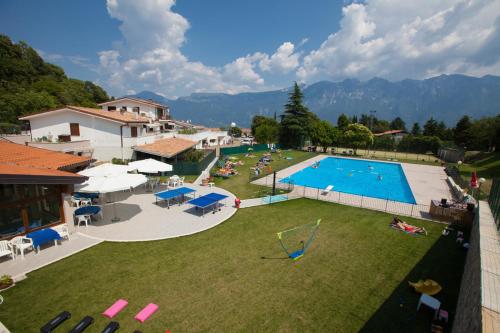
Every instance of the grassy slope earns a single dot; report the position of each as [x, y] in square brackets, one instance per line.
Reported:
[487, 165]
[239, 184]
[352, 278]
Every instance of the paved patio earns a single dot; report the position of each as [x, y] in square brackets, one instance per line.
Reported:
[141, 219]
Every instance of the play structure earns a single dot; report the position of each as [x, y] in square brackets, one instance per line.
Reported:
[296, 241]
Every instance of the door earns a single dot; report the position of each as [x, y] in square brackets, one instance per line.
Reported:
[133, 132]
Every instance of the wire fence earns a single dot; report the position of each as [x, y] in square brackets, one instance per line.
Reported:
[494, 201]
[283, 185]
[386, 154]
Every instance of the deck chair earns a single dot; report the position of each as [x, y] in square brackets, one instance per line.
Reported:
[327, 189]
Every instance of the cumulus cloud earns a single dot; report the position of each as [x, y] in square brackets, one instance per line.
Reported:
[283, 60]
[151, 57]
[409, 39]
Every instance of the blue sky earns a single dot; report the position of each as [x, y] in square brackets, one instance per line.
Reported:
[176, 48]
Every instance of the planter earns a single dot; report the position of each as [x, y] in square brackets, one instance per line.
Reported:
[6, 286]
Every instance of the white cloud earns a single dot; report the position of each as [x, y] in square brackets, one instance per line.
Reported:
[283, 60]
[409, 39]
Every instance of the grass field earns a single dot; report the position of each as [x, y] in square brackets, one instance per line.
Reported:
[353, 278]
[240, 184]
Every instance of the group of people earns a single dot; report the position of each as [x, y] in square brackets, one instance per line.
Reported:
[263, 163]
[228, 168]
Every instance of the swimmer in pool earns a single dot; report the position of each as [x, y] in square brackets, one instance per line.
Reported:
[379, 177]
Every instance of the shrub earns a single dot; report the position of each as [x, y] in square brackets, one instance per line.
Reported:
[193, 155]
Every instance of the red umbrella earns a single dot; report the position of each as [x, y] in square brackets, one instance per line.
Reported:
[473, 180]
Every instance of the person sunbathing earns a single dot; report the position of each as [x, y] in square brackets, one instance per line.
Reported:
[397, 222]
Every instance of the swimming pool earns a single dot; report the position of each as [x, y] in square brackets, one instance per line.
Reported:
[368, 178]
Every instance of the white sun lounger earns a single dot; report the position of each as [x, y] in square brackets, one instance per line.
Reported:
[327, 189]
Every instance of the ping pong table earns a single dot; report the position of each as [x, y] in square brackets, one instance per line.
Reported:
[207, 200]
[173, 194]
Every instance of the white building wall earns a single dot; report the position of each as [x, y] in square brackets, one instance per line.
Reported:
[150, 111]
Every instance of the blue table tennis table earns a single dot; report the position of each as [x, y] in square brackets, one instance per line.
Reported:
[207, 200]
[173, 194]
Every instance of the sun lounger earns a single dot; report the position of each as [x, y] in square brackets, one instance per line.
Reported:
[111, 327]
[115, 308]
[146, 312]
[327, 189]
[82, 325]
[51, 325]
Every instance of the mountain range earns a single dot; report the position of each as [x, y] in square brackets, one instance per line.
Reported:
[444, 97]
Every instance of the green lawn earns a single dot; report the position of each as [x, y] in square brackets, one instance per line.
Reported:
[487, 165]
[353, 278]
[239, 184]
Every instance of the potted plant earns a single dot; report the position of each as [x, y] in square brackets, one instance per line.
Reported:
[6, 281]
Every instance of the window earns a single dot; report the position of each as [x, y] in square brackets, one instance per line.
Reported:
[111, 108]
[136, 109]
[133, 132]
[74, 129]
[123, 108]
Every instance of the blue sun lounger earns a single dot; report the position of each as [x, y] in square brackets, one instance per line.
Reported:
[207, 200]
[173, 194]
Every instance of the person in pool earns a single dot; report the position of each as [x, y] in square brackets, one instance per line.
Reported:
[379, 177]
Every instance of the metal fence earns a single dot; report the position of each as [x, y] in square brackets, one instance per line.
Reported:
[494, 201]
[379, 204]
[385, 154]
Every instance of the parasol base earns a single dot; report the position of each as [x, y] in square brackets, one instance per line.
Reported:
[115, 219]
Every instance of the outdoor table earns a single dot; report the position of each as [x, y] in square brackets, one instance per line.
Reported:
[86, 195]
[44, 236]
[88, 210]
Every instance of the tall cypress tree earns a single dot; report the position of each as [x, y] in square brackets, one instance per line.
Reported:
[296, 120]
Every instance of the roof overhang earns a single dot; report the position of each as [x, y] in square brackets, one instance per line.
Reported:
[38, 179]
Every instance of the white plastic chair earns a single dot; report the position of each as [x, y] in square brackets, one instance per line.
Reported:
[21, 244]
[75, 202]
[85, 202]
[62, 230]
[83, 219]
[181, 181]
[6, 249]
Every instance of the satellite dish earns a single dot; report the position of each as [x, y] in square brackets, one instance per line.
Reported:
[233, 124]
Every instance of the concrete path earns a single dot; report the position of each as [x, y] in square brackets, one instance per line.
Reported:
[18, 267]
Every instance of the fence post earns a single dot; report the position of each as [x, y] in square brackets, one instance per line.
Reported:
[304, 191]
[339, 198]
[317, 193]
[386, 202]
[411, 214]
[362, 201]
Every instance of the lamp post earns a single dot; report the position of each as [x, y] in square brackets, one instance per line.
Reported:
[480, 181]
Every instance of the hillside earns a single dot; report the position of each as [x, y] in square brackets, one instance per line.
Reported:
[445, 97]
[28, 84]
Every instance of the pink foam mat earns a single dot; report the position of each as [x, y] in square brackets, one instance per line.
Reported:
[114, 309]
[146, 312]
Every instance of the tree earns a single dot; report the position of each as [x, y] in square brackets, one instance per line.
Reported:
[416, 130]
[235, 131]
[380, 126]
[256, 122]
[296, 121]
[398, 124]
[354, 119]
[461, 132]
[321, 134]
[342, 122]
[357, 136]
[431, 127]
[485, 133]
[267, 131]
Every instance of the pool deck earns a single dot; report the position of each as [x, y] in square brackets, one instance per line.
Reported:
[426, 182]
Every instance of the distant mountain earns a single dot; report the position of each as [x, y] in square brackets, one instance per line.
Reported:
[445, 97]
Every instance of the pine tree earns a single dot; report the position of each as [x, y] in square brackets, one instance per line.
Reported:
[416, 130]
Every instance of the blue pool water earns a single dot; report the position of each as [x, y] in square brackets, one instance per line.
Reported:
[368, 178]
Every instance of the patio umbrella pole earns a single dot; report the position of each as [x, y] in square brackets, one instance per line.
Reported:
[116, 218]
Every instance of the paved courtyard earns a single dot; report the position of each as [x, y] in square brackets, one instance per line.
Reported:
[141, 219]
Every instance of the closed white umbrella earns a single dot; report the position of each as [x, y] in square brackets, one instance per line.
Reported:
[106, 169]
[150, 166]
[112, 183]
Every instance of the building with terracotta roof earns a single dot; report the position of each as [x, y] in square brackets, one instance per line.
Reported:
[32, 184]
[144, 107]
[167, 148]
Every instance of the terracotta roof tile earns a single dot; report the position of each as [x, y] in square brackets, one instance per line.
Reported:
[389, 132]
[166, 147]
[31, 157]
[124, 117]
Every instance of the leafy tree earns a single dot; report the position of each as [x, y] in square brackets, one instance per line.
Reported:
[420, 144]
[256, 122]
[267, 131]
[342, 122]
[380, 126]
[398, 124]
[485, 133]
[235, 131]
[461, 132]
[431, 128]
[28, 84]
[357, 136]
[384, 142]
[297, 120]
[354, 119]
[321, 134]
[416, 130]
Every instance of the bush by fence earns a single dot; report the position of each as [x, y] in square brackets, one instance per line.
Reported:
[192, 168]
[244, 149]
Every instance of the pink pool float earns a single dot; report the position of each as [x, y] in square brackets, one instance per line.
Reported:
[146, 312]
